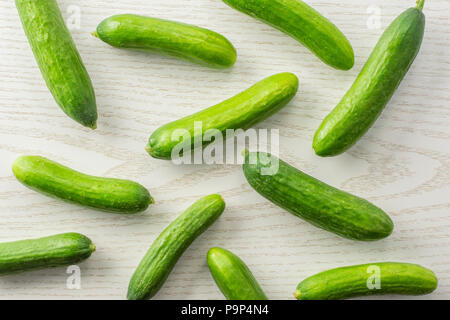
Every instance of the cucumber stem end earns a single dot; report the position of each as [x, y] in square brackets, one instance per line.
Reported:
[95, 34]
[420, 4]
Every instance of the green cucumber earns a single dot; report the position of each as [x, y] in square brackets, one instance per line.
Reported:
[58, 59]
[169, 37]
[53, 251]
[58, 181]
[239, 112]
[165, 251]
[314, 201]
[367, 279]
[232, 276]
[374, 86]
[305, 24]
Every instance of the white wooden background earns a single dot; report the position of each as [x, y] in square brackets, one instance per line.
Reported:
[402, 164]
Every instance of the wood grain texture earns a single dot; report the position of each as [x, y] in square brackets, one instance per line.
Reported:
[401, 165]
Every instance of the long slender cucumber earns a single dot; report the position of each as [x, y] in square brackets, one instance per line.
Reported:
[53, 251]
[232, 276]
[314, 201]
[55, 180]
[239, 112]
[305, 24]
[375, 85]
[367, 279]
[59, 60]
[165, 251]
[173, 38]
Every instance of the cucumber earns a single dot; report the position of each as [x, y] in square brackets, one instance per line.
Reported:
[367, 279]
[314, 201]
[165, 251]
[53, 251]
[374, 86]
[239, 112]
[169, 37]
[58, 59]
[58, 181]
[305, 24]
[232, 276]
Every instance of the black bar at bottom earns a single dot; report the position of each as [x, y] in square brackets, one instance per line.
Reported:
[198, 310]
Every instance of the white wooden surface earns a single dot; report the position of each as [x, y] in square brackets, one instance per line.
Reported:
[402, 164]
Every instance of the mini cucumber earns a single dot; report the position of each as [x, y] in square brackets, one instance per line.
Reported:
[232, 276]
[58, 59]
[169, 37]
[314, 201]
[55, 180]
[53, 251]
[239, 112]
[165, 251]
[367, 279]
[374, 86]
[305, 24]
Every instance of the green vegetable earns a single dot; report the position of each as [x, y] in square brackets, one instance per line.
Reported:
[165, 251]
[304, 24]
[374, 86]
[58, 59]
[239, 112]
[232, 276]
[54, 251]
[367, 279]
[173, 38]
[55, 180]
[314, 201]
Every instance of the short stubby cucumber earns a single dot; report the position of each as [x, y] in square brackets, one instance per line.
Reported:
[239, 112]
[374, 86]
[367, 279]
[306, 25]
[232, 276]
[165, 251]
[314, 201]
[56, 180]
[53, 251]
[169, 37]
[59, 60]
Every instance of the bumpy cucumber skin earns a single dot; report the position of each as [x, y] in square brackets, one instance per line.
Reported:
[304, 24]
[165, 251]
[58, 181]
[316, 202]
[348, 282]
[232, 276]
[53, 251]
[374, 86]
[58, 59]
[182, 40]
[239, 112]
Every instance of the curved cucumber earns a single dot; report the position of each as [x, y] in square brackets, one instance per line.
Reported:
[306, 25]
[367, 279]
[54, 251]
[165, 251]
[173, 38]
[58, 59]
[314, 201]
[374, 86]
[55, 180]
[232, 276]
[239, 112]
